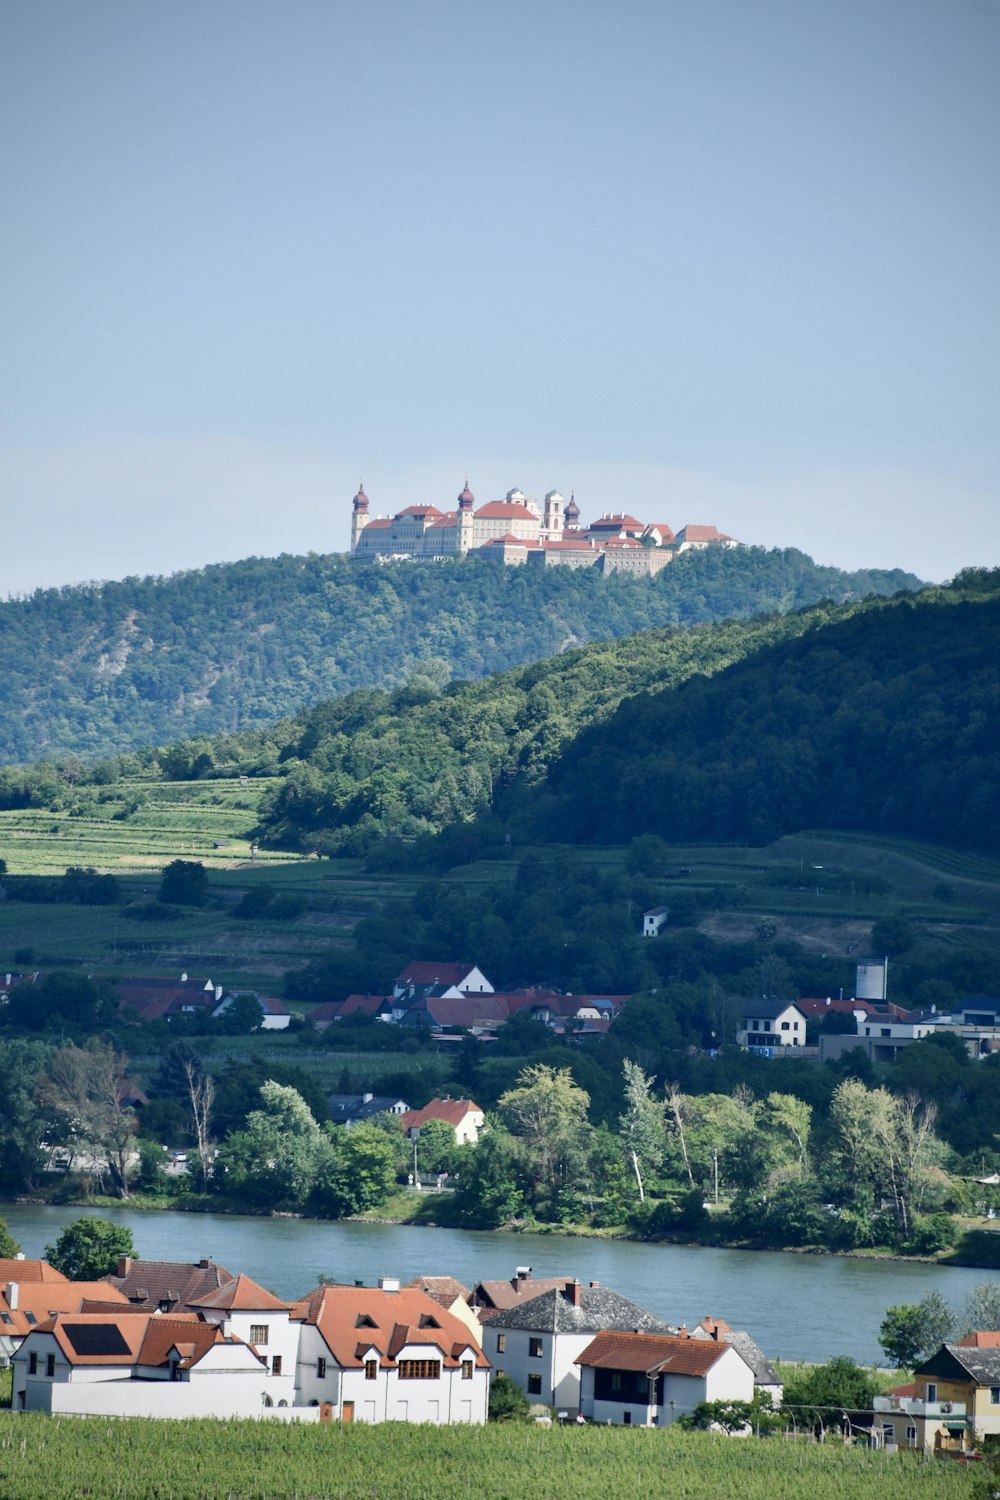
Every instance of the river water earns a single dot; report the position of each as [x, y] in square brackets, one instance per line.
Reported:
[796, 1306]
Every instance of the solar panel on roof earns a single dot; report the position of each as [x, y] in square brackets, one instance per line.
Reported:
[96, 1338]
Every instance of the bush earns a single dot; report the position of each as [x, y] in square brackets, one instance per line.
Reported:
[508, 1403]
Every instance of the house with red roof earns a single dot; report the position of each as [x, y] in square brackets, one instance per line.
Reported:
[134, 1364]
[464, 1117]
[389, 1354]
[451, 979]
[650, 1379]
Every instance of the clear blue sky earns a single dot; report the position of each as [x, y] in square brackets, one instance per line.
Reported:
[731, 261]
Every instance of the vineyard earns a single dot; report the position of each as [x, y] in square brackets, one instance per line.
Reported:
[44, 1458]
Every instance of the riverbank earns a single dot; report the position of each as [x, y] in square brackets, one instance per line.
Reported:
[431, 1208]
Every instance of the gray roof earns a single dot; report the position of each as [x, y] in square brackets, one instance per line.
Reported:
[982, 1364]
[600, 1308]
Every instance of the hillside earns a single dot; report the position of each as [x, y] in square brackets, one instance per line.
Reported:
[95, 670]
[886, 720]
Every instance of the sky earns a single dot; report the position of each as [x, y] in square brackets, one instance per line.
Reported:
[717, 261]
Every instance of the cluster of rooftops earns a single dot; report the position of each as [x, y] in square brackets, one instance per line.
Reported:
[520, 529]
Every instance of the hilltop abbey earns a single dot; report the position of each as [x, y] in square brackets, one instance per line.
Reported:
[521, 530]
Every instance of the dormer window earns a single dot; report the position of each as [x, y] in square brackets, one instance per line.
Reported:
[364, 1321]
[427, 1321]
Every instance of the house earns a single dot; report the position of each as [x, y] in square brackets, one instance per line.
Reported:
[453, 979]
[450, 1294]
[653, 920]
[464, 1116]
[162, 999]
[765, 1377]
[165, 1286]
[488, 1298]
[274, 1015]
[958, 1394]
[537, 1342]
[324, 1015]
[352, 1109]
[388, 1354]
[768, 1024]
[25, 1304]
[643, 1380]
[133, 1364]
[253, 1314]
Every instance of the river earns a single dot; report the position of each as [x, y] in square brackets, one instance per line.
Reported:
[797, 1306]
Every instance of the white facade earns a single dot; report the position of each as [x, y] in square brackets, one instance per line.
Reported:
[375, 1393]
[542, 1364]
[729, 1379]
[772, 1026]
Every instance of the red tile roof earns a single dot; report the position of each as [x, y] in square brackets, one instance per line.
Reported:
[242, 1294]
[451, 1111]
[501, 510]
[981, 1338]
[649, 1352]
[433, 972]
[341, 1313]
[23, 1271]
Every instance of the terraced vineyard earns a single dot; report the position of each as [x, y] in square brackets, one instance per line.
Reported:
[142, 825]
[44, 1458]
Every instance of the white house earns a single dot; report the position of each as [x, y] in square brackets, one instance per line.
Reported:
[251, 1313]
[388, 1354]
[537, 1342]
[653, 920]
[463, 1115]
[133, 1364]
[451, 979]
[642, 1380]
[771, 1023]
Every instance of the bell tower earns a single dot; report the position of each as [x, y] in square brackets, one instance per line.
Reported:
[359, 519]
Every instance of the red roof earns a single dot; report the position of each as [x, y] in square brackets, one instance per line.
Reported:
[981, 1338]
[433, 972]
[28, 1270]
[419, 510]
[451, 1111]
[703, 534]
[649, 1352]
[616, 522]
[242, 1294]
[379, 524]
[502, 510]
[354, 1320]
[813, 1008]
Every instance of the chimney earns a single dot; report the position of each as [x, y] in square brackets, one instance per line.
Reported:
[521, 1273]
[594, 1284]
[388, 1283]
[218, 992]
[124, 1265]
[13, 1289]
[573, 1290]
[203, 1265]
[367, 1098]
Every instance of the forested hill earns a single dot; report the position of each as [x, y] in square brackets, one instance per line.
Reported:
[887, 720]
[97, 669]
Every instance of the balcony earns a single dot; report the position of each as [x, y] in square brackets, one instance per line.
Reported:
[914, 1406]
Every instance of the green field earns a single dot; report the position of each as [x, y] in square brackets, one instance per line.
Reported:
[44, 1458]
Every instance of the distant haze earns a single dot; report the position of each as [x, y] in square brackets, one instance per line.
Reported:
[713, 262]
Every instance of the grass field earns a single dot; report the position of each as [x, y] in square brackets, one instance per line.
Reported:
[44, 1458]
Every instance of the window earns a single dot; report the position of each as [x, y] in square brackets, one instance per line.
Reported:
[321, 1368]
[534, 1385]
[767, 1025]
[467, 1368]
[995, 1395]
[32, 1363]
[163, 1305]
[50, 1365]
[276, 1365]
[371, 1369]
[911, 1436]
[420, 1369]
[501, 1343]
[535, 1348]
[364, 1321]
[785, 1026]
[616, 1380]
[258, 1333]
[627, 1418]
[931, 1390]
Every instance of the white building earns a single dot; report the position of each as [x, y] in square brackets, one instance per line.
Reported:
[638, 1380]
[771, 1023]
[537, 1343]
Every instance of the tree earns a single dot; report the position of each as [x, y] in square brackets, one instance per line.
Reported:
[88, 1249]
[912, 1332]
[275, 1159]
[548, 1114]
[9, 1247]
[62, 1001]
[819, 1393]
[490, 1192]
[508, 1403]
[892, 935]
[641, 1126]
[201, 1098]
[357, 1173]
[185, 883]
[22, 1124]
[982, 1307]
[85, 1089]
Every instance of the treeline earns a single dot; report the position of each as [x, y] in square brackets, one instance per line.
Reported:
[886, 720]
[100, 668]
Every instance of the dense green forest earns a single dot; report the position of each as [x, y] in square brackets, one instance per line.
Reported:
[886, 720]
[102, 668]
